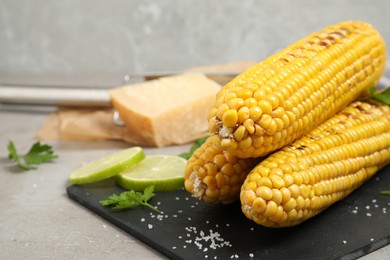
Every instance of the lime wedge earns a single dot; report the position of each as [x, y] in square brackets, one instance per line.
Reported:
[107, 166]
[165, 172]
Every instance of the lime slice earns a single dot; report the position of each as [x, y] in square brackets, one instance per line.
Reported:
[107, 166]
[165, 172]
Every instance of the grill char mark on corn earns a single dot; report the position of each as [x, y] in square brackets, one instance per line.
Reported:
[279, 100]
[214, 175]
[324, 166]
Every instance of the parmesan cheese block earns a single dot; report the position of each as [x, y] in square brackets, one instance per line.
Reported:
[169, 110]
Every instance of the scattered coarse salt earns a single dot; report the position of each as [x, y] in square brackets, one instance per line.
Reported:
[354, 211]
[158, 203]
[192, 206]
[189, 218]
[177, 198]
[187, 198]
[369, 214]
[227, 224]
[174, 215]
[371, 239]
[344, 241]
[251, 255]
[142, 219]
[104, 226]
[376, 206]
[184, 246]
[174, 247]
[367, 207]
[180, 211]
[150, 226]
[374, 201]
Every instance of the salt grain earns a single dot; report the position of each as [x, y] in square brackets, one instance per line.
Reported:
[142, 219]
[354, 211]
[344, 241]
[251, 255]
[104, 226]
[150, 226]
[368, 214]
[374, 200]
[367, 207]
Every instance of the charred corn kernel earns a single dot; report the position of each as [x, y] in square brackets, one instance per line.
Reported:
[303, 86]
[322, 167]
[214, 175]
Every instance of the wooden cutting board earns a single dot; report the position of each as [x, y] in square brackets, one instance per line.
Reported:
[190, 229]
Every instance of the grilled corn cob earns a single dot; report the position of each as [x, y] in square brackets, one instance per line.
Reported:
[324, 166]
[214, 175]
[284, 97]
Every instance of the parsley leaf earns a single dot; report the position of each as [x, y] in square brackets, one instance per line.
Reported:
[130, 199]
[38, 154]
[383, 96]
[198, 143]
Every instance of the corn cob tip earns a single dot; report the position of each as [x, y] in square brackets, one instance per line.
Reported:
[215, 176]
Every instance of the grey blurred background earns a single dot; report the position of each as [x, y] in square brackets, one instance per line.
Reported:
[97, 37]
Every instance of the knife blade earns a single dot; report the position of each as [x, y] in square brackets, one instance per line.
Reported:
[82, 96]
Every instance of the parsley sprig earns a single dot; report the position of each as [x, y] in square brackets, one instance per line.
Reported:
[38, 154]
[383, 96]
[131, 199]
[198, 143]
[385, 192]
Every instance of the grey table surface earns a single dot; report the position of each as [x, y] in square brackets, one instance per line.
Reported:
[39, 221]
[73, 38]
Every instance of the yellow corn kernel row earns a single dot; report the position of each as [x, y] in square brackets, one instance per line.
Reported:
[214, 175]
[282, 98]
[303, 179]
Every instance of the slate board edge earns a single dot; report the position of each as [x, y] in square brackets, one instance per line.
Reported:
[365, 250]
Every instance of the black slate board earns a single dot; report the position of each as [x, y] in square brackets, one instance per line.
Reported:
[190, 229]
